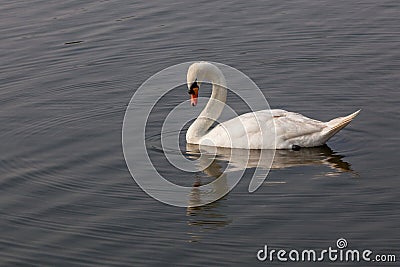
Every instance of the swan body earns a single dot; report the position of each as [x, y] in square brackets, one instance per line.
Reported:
[265, 129]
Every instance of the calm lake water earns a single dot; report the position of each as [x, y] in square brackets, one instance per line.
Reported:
[69, 69]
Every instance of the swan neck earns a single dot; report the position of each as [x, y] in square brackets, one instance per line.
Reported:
[210, 113]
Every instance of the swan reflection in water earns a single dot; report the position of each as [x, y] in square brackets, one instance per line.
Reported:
[207, 217]
[241, 159]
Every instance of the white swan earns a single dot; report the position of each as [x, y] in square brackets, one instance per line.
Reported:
[253, 130]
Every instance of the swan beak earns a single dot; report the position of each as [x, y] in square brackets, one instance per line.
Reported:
[194, 96]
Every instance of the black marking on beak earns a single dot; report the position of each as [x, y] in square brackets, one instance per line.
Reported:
[194, 85]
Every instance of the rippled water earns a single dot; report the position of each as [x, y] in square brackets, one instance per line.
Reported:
[69, 69]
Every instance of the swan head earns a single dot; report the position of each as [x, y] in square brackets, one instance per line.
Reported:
[195, 75]
[202, 72]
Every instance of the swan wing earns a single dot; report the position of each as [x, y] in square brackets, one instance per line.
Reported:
[255, 130]
[242, 132]
[291, 125]
[295, 129]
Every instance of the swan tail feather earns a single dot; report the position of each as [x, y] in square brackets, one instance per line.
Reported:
[335, 125]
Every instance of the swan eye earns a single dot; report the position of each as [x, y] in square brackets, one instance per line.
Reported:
[194, 85]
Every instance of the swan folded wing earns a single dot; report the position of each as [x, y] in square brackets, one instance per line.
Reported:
[291, 125]
[254, 130]
[231, 133]
[244, 131]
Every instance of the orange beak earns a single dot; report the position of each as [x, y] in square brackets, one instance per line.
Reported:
[194, 96]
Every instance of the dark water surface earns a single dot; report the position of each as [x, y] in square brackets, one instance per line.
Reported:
[69, 69]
